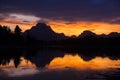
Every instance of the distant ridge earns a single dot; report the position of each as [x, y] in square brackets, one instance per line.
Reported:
[90, 34]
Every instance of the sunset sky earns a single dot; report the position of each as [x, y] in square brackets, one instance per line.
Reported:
[70, 17]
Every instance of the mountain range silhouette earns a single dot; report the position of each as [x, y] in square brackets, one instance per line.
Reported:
[42, 34]
[45, 33]
[87, 33]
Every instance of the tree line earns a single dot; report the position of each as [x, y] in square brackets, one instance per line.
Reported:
[8, 36]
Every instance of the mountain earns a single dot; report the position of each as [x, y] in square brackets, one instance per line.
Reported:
[44, 32]
[89, 34]
[86, 34]
[114, 34]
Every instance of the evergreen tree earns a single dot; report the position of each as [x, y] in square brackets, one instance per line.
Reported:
[17, 30]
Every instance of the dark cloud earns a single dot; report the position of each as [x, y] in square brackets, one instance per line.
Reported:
[70, 10]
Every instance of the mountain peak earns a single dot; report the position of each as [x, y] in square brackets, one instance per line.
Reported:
[41, 24]
[114, 34]
[87, 33]
[44, 32]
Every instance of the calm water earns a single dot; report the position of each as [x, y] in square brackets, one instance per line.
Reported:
[58, 65]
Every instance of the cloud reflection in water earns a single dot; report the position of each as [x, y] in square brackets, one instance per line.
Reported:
[25, 68]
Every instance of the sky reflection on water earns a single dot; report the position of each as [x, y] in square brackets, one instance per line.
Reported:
[25, 68]
[75, 61]
[67, 62]
[59, 65]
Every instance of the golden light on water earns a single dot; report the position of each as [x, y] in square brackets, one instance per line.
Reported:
[70, 61]
[58, 63]
[77, 62]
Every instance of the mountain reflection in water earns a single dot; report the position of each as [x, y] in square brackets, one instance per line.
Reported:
[75, 61]
[56, 64]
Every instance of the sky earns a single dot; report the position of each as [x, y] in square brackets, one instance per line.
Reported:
[70, 17]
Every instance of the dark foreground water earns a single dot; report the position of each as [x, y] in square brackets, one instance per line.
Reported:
[19, 64]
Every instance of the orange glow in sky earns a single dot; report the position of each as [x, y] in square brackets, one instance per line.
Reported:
[77, 62]
[68, 28]
[22, 26]
[77, 27]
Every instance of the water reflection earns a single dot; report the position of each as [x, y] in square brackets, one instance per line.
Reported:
[25, 68]
[30, 64]
[75, 61]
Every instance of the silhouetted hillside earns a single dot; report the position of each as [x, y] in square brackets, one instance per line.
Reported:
[90, 34]
[44, 32]
[113, 34]
[86, 34]
[88, 39]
